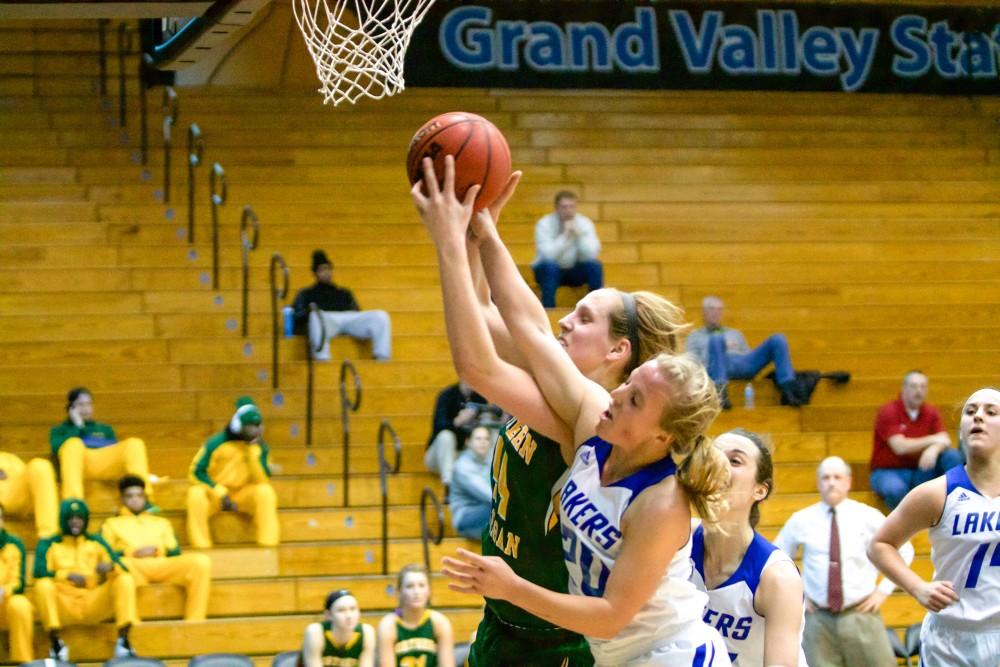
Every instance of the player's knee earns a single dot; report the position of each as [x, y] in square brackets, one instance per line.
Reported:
[201, 563]
[44, 586]
[18, 605]
[69, 447]
[40, 467]
[264, 496]
[197, 496]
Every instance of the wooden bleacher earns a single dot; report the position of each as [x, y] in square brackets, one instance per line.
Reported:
[864, 227]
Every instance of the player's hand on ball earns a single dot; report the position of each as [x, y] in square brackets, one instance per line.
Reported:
[936, 595]
[488, 576]
[442, 213]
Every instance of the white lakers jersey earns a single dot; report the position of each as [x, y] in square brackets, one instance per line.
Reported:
[591, 520]
[730, 608]
[965, 550]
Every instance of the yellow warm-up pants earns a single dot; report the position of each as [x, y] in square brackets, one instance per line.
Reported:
[77, 462]
[192, 571]
[61, 603]
[33, 489]
[257, 500]
[16, 615]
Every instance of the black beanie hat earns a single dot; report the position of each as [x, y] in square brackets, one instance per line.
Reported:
[319, 259]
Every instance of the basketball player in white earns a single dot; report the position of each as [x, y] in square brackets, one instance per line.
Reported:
[624, 508]
[754, 589]
[961, 509]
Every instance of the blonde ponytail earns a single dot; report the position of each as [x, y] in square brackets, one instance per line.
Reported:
[702, 469]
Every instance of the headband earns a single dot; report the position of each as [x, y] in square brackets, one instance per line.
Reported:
[632, 326]
[334, 596]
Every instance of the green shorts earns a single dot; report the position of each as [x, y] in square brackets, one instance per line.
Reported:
[500, 644]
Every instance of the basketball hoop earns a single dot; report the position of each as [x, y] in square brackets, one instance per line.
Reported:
[359, 45]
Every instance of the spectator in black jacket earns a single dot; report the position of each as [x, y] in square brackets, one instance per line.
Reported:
[339, 313]
[457, 412]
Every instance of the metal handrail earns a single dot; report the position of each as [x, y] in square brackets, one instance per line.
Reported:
[277, 261]
[384, 470]
[248, 243]
[196, 147]
[311, 350]
[171, 110]
[102, 58]
[428, 496]
[218, 198]
[145, 64]
[347, 406]
[124, 46]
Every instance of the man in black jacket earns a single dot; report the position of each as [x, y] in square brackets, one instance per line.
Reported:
[339, 313]
[457, 412]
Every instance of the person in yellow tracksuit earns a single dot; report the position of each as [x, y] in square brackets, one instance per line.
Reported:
[231, 473]
[87, 449]
[79, 580]
[148, 547]
[27, 488]
[16, 613]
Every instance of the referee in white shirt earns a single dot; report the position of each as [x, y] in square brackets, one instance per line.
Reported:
[843, 624]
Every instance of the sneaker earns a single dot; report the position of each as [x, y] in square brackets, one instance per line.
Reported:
[789, 396]
[59, 651]
[123, 649]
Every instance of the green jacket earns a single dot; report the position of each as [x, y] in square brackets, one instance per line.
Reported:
[93, 434]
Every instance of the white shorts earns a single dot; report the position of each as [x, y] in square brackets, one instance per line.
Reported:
[944, 645]
[697, 645]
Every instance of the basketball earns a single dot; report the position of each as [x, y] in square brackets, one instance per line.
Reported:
[481, 153]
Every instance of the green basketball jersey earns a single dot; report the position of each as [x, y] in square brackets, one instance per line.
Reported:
[416, 647]
[522, 530]
[342, 655]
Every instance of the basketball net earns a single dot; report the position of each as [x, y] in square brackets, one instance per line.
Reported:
[359, 45]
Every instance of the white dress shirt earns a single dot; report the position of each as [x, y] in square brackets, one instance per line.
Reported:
[856, 523]
[566, 250]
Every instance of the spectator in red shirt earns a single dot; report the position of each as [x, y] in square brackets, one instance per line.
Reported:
[911, 445]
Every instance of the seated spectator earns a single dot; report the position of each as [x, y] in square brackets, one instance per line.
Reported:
[910, 443]
[340, 638]
[471, 494]
[340, 314]
[843, 624]
[457, 411]
[16, 614]
[414, 634]
[30, 488]
[78, 580]
[148, 547]
[231, 473]
[87, 449]
[566, 247]
[726, 355]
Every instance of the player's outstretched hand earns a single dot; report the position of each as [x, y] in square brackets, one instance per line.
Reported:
[440, 210]
[936, 595]
[488, 576]
[504, 196]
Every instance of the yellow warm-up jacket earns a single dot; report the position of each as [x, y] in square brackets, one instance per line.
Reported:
[12, 564]
[127, 532]
[223, 463]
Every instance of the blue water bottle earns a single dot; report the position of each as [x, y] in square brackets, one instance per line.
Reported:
[748, 397]
[289, 318]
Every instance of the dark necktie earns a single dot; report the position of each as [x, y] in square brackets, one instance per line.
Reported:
[835, 584]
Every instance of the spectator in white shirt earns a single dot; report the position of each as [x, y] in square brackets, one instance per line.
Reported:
[843, 624]
[566, 246]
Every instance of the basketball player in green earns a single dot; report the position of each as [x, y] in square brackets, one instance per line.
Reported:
[415, 635]
[341, 639]
[606, 336]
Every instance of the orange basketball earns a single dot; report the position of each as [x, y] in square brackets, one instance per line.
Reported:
[481, 153]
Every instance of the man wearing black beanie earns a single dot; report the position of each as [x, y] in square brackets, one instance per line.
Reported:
[340, 314]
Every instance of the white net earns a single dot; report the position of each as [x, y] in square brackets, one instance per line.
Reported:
[359, 45]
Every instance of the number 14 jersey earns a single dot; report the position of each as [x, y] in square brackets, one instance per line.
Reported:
[965, 550]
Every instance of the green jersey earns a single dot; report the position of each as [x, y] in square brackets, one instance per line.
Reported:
[347, 654]
[93, 434]
[523, 530]
[416, 647]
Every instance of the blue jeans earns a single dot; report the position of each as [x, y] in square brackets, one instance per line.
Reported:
[550, 276]
[891, 484]
[473, 522]
[723, 365]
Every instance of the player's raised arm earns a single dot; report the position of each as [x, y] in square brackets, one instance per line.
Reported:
[473, 352]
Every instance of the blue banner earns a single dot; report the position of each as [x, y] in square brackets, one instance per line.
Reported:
[685, 45]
